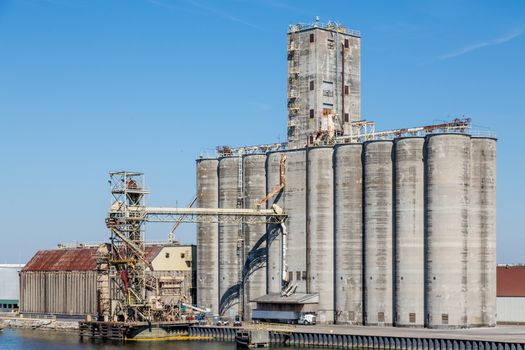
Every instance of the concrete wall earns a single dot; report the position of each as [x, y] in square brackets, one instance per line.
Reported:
[318, 72]
[320, 230]
[208, 236]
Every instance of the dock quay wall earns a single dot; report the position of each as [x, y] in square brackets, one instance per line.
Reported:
[409, 341]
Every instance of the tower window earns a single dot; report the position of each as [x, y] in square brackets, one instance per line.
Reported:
[347, 90]
[311, 114]
[347, 118]
[311, 84]
[312, 38]
[346, 44]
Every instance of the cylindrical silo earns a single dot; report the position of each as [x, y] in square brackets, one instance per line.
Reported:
[294, 201]
[274, 232]
[447, 215]
[229, 238]
[378, 232]
[348, 235]
[254, 266]
[482, 226]
[208, 236]
[409, 227]
[320, 230]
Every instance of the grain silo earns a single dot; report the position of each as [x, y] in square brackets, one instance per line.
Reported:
[446, 215]
[378, 232]
[483, 220]
[294, 195]
[274, 232]
[254, 267]
[348, 234]
[208, 236]
[293, 199]
[229, 238]
[409, 218]
[320, 229]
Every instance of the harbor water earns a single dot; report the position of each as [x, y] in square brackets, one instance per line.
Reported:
[18, 339]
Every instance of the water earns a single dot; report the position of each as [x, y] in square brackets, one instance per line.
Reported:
[25, 339]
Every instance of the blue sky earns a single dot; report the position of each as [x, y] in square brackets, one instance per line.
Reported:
[88, 86]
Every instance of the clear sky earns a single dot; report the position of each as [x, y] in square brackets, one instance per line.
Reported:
[89, 86]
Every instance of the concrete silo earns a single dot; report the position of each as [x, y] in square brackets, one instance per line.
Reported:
[320, 230]
[229, 238]
[482, 228]
[274, 234]
[295, 206]
[446, 223]
[207, 236]
[378, 232]
[348, 222]
[254, 266]
[293, 200]
[409, 218]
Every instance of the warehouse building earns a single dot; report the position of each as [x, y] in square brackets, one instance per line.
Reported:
[63, 282]
[511, 294]
[9, 287]
[393, 228]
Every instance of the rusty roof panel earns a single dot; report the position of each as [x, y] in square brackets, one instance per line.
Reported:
[74, 259]
[511, 281]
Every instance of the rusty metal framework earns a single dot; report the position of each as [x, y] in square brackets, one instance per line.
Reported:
[133, 295]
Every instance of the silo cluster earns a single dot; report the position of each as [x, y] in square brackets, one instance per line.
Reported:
[388, 232]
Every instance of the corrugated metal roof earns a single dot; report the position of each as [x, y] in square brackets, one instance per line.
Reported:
[73, 259]
[511, 281]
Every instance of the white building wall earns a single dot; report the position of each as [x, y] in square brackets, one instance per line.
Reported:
[510, 309]
[9, 281]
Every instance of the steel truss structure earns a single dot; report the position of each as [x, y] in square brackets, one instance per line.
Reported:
[133, 294]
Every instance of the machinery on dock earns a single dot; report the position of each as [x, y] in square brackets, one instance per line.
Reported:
[126, 291]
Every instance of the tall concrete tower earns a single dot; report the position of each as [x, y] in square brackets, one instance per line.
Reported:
[324, 84]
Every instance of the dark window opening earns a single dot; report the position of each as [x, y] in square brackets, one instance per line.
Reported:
[167, 255]
[346, 43]
[311, 85]
[347, 118]
[412, 317]
[347, 90]
[444, 318]
[311, 113]
[312, 38]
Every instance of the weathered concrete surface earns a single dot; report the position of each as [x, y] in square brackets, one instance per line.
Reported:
[229, 235]
[318, 72]
[447, 226]
[378, 232]
[409, 217]
[320, 230]
[348, 245]
[254, 267]
[208, 236]
[483, 226]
